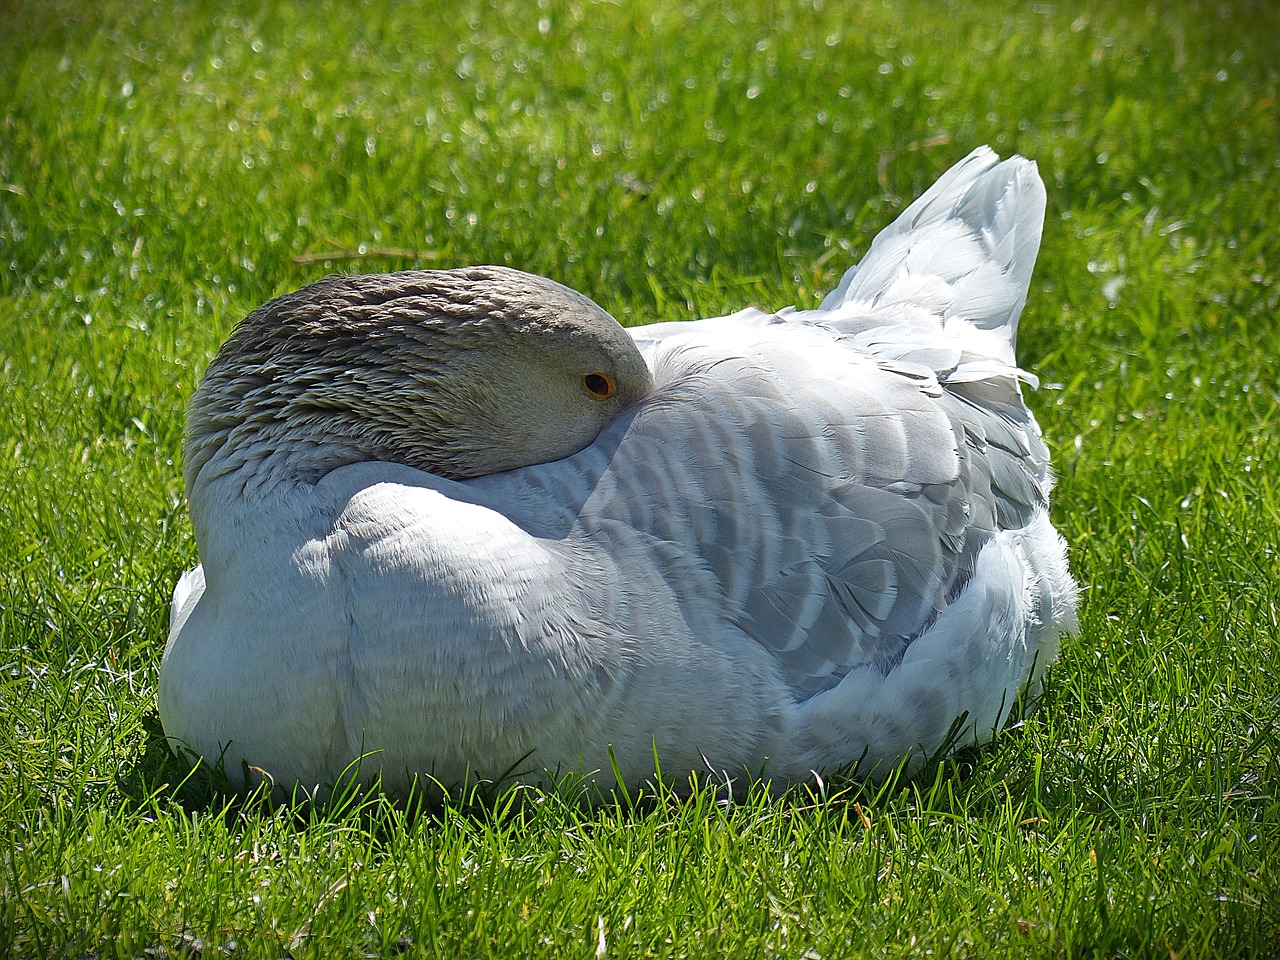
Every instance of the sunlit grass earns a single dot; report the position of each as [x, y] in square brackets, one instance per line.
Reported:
[164, 168]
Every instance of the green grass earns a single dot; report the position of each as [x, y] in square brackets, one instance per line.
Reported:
[164, 168]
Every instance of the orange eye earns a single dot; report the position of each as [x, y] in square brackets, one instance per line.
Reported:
[598, 385]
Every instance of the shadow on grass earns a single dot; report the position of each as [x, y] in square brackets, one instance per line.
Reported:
[159, 783]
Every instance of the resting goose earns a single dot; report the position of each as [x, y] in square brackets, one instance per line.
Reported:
[461, 524]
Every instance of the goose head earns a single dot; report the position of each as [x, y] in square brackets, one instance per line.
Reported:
[459, 373]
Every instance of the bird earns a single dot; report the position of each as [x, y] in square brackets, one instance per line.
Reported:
[462, 526]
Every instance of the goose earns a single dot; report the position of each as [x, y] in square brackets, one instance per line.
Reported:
[462, 525]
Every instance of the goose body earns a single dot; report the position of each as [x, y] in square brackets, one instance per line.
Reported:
[762, 544]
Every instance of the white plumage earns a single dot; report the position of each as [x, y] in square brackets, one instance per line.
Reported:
[809, 541]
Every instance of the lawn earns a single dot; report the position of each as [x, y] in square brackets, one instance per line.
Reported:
[166, 167]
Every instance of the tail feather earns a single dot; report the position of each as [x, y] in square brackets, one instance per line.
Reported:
[964, 252]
